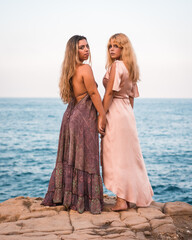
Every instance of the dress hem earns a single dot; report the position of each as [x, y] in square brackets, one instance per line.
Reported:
[131, 201]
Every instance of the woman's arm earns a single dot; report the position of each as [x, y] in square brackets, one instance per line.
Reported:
[108, 97]
[91, 87]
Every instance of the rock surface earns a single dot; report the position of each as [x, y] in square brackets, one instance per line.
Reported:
[23, 218]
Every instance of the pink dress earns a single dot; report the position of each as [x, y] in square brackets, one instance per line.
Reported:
[124, 171]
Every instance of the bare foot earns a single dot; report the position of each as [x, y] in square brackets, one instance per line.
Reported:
[120, 205]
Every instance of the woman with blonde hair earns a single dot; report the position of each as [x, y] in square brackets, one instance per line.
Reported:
[75, 181]
[124, 171]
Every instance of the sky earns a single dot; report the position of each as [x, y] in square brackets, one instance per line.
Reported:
[34, 33]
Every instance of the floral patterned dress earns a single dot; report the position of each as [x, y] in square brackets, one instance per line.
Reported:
[75, 181]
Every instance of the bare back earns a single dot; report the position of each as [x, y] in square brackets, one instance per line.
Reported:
[79, 88]
[84, 84]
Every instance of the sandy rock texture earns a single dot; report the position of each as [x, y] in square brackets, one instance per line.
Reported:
[23, 218]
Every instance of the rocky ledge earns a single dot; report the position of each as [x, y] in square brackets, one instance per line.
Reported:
[23, 218]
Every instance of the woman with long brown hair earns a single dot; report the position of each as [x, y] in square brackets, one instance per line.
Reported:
[124, 171]
[75, 181]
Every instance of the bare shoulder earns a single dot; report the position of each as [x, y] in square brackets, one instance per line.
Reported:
[85, 69]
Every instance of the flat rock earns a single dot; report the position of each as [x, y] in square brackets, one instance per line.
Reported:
[10, 228]
[166, 228]
[39, 234]
[23, 218]
[147, 233]
[117, 223]
[59, 222]
[157, 205]
[141, 227]
[36, 206]
[11, 209]
[128, 214]
[88, 220]
[140, 236]
[110, 233]
[81, 221]
[121, 234]
[23, 237]
[177, 208]
[37, 214]
[134, 220]
[81, 235]
[105, 219]
[150, 213]
[158, 222]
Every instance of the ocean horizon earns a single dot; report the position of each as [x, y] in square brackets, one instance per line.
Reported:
[29, 133]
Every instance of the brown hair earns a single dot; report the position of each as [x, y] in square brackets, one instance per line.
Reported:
[71, 60]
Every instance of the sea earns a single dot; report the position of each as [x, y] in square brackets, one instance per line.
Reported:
[29, 133]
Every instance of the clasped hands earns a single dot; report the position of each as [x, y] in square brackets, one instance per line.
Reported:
[102, 124]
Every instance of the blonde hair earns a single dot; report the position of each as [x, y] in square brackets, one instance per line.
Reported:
[71, 60]
[127, 55]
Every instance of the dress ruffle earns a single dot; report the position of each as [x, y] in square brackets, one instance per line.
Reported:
[81, 192]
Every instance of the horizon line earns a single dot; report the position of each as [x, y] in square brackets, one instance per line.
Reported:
[135, 98]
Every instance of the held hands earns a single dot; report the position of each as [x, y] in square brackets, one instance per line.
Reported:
[101, 124]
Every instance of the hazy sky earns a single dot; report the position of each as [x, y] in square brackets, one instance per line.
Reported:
[33, 36]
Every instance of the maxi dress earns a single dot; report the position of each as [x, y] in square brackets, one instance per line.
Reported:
[124, 171]
[75, 181]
